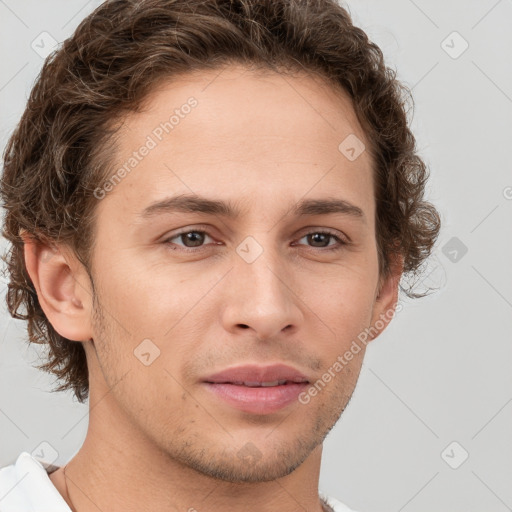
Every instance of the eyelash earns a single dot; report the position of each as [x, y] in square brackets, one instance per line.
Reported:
[338, 246]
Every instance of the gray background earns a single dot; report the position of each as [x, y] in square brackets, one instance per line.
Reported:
[441, 373]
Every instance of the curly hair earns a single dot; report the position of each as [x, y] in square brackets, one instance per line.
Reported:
[56, 156]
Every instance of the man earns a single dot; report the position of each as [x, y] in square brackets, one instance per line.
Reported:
[210, 206]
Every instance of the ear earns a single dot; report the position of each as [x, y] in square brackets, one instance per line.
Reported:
[63, 287]
[386, 296]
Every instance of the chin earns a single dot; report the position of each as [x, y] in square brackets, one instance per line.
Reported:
[249, 464]
[240, 471]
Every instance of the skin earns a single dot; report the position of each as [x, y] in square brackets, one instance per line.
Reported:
[157, 439]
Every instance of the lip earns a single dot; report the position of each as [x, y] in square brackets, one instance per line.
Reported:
[228, 385]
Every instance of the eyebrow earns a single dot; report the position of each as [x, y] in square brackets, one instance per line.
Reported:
[192, 203]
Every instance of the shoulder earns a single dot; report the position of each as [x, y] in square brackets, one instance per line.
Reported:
[26, 487]
[336, 505]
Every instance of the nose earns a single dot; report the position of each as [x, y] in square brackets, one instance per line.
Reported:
[262, 298]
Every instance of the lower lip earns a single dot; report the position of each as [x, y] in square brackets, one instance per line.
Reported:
[258, 400]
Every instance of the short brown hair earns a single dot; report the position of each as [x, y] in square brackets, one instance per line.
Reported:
[54, 161]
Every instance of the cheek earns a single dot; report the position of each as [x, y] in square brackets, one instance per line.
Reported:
[155, 316]
[143, 303]
[344, 305]
[344, 309]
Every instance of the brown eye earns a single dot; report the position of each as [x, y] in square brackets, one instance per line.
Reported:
[319, 239]
[322, 239]
[189, 239]
[192, 238]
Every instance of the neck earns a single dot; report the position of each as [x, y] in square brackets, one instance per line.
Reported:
[118, 467]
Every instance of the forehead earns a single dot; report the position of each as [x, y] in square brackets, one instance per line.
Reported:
[258, 132]
[254, 99]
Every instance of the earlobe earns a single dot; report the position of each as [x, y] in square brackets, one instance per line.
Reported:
[387, 297]
[62, 287]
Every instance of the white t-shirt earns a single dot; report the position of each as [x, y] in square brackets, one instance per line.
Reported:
[26, 487]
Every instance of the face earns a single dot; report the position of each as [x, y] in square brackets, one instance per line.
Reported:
[264, 271]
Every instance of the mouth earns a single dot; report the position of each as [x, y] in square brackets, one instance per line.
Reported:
[257, 389]
[257, 384]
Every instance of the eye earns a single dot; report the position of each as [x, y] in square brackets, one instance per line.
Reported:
[190, 239]
[321, 239]
[193, 240]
